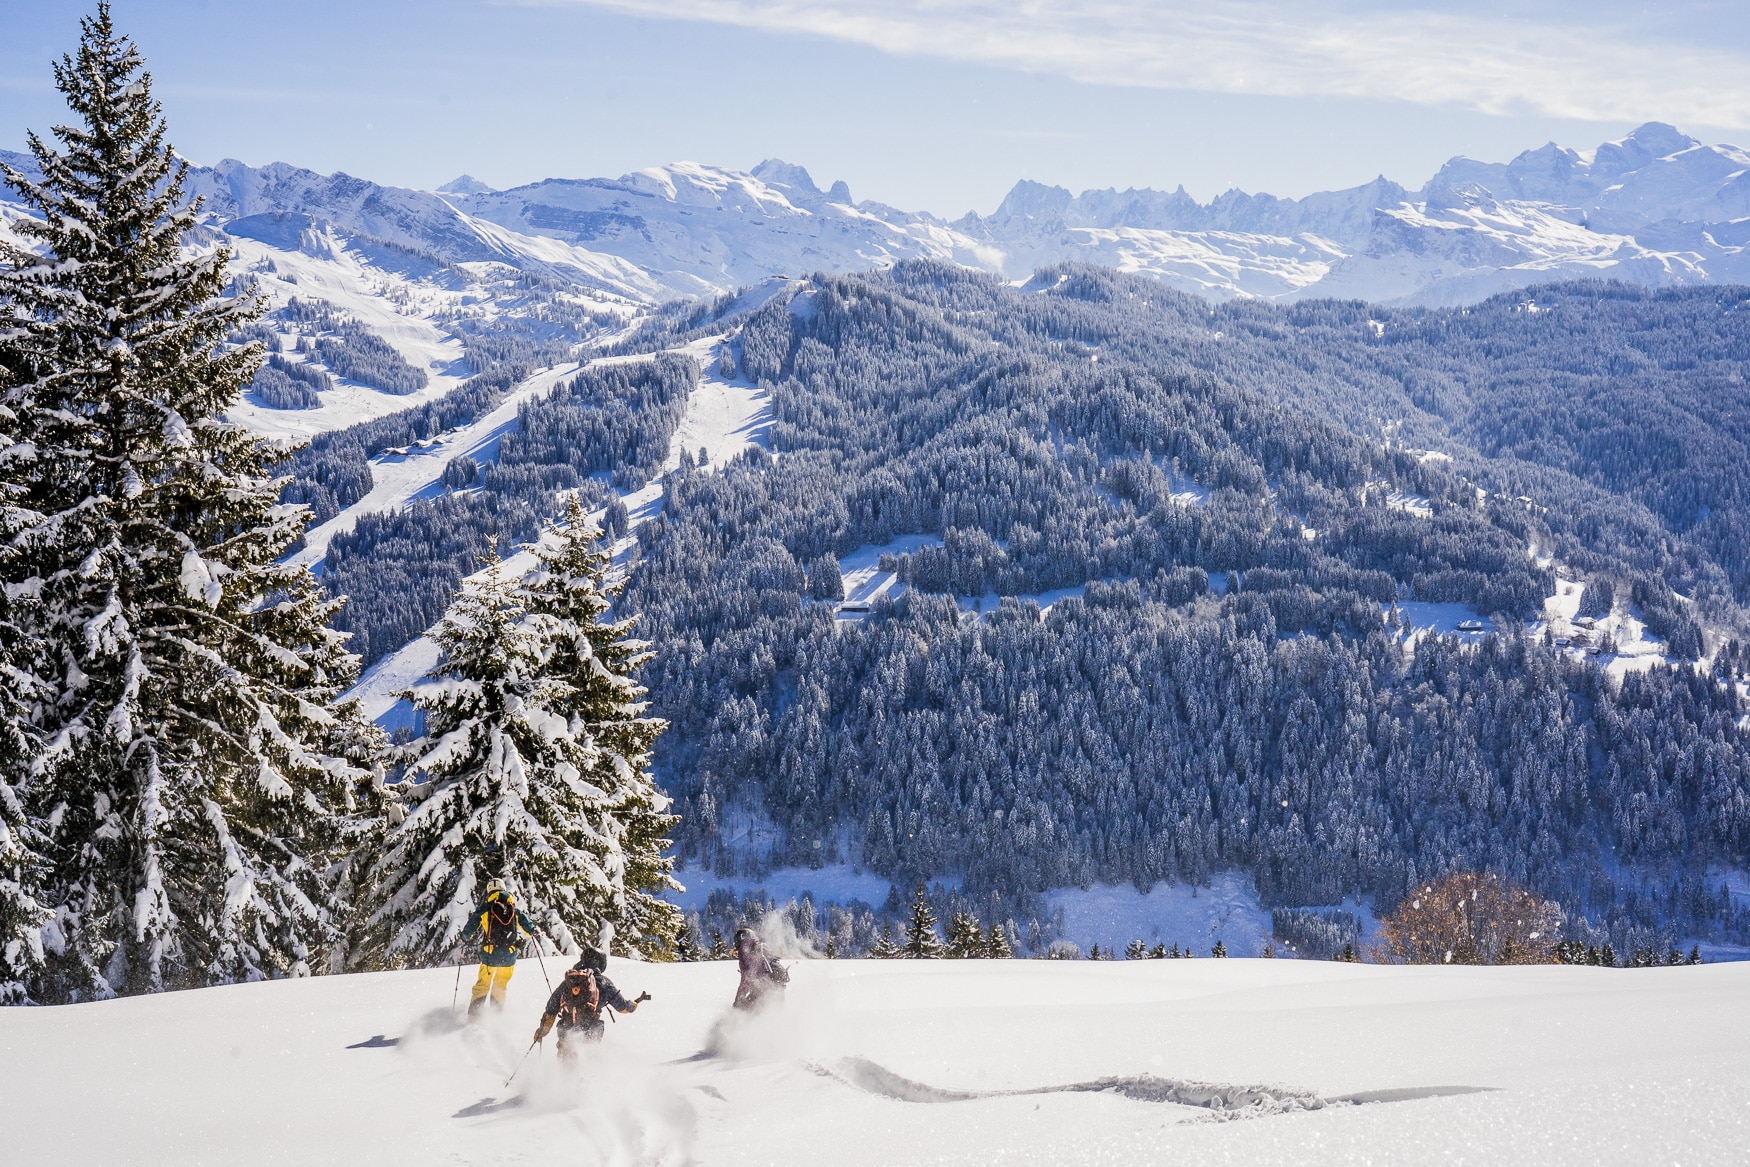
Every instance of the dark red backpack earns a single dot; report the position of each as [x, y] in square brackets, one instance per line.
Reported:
[580, 999]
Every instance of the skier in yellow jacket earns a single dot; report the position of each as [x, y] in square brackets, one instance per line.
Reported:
[500, 927]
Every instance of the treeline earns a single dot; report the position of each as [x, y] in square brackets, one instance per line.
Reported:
[1150, 731]
[1095, 429]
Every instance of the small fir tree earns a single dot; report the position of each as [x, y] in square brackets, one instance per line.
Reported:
[1136, 950]
[883, 946]
[354, 835]
[1159, 951]
[921, 939]
[1219, 951]
[719, 949]
[686, 945]
[997, 945]
[965, 937]
[182, 674]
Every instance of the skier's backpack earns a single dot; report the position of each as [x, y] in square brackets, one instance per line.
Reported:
[501, 926]
[580, 999]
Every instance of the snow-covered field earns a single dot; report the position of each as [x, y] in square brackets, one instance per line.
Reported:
[901, 1062]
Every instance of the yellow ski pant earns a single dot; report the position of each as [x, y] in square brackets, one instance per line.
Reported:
[493, 981]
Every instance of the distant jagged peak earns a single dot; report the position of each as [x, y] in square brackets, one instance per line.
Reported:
[777, 172]
[697, 184]
[1645, 144]
[798, 185]
[1458, 196]
[1033, 200]
[464, 185]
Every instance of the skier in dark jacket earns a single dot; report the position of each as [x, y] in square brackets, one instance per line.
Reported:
[763, 977]
[499, 926]
[576, 1005]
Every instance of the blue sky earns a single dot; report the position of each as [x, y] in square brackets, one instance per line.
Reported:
[928, 104]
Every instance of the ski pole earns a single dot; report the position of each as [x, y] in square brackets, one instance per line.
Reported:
[543, 961]
[456, 993]
[519, 1065]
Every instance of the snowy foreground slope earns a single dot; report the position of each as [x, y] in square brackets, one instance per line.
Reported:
[889, 1063]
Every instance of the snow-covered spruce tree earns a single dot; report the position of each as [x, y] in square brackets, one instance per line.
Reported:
[884, 947]
[21, 865]
[185, 674]
[515, 781]
[921, 940]
[965, 937]
[354, 837]
[996, 944]
[595, 659]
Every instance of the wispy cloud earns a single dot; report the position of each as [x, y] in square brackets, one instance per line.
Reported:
[1578, 70]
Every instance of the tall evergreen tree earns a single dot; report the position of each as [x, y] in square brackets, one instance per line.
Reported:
[495, 790]
[593, 659]
[21, 866]
[921, 940]
[184, 674]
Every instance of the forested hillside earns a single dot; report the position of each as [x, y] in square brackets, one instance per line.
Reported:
[1239, 496]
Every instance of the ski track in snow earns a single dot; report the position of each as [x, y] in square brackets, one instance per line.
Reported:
[875, 1063]
[724, 417]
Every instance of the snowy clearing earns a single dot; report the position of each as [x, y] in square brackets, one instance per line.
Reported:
[864, 581]
[885, 1062]
[1181, 914]
[1576, 635]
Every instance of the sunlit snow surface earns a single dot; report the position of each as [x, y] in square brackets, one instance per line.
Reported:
[883, 1063]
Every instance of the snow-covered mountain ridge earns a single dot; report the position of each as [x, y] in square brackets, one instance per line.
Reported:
[1656, 208]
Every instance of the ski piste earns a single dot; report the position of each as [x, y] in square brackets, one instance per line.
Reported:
[901, 1061]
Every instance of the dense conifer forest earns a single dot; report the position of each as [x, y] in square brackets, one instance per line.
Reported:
[1243, 492]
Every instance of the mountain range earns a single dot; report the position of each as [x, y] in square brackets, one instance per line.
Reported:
[1656, 208]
